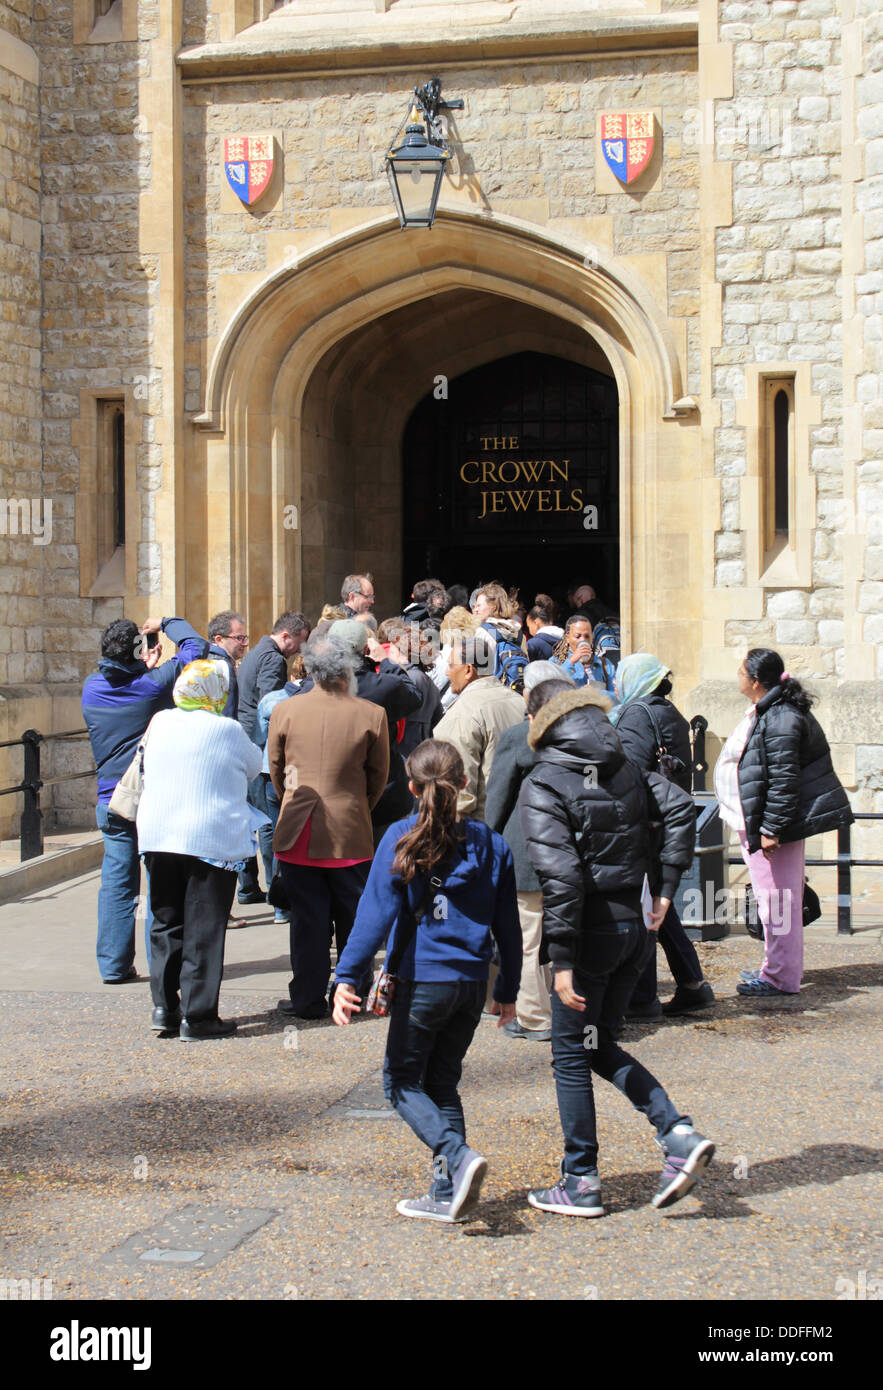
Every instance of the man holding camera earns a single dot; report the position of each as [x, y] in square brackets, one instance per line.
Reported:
[119, 701]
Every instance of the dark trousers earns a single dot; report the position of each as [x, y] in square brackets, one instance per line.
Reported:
[191, 902]
[430, 1028]
[680, 953]
[323, 904]
[609, 963]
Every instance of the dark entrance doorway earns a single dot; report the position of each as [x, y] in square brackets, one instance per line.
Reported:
[515, 477]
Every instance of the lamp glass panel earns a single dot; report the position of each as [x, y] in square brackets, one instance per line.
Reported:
[417, 180]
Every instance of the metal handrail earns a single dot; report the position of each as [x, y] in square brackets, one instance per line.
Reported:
[843, 863]
[32, 784]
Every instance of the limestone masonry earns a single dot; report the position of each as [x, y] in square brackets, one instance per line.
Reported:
[202, 404]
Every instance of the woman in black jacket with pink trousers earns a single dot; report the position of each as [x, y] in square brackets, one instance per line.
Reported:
[776, 785]
[585, 811]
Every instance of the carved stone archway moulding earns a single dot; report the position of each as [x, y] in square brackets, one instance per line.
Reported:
[267, 353]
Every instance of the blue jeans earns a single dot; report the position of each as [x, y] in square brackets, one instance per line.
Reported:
[273, 805]
[119, 895]
[257, 796]
[609, 962]
[431, 1026]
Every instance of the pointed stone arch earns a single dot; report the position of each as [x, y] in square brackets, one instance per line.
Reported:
[299, 320]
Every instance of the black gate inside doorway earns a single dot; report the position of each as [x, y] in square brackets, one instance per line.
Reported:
[511, 472]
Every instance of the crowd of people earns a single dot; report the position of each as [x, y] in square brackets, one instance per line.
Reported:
[501, 800]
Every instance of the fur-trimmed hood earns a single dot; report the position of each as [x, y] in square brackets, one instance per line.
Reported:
[573, 726]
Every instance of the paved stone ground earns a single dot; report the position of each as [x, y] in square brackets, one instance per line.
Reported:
[267, 1152]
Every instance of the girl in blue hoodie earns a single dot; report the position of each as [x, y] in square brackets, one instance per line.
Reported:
[458, 880]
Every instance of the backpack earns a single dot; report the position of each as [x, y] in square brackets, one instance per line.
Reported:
[606, 653]
[509, 662]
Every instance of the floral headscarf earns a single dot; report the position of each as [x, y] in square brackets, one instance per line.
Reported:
[636, 677]
[203, 685]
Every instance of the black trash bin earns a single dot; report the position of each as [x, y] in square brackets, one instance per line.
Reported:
[700, 901]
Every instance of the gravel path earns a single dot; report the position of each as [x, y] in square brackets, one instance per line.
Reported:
[271, 1153]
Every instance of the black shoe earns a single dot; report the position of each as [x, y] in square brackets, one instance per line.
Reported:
[652, 1009]
[206, 1028]
[256, 896]
[131, 974]
[685, 1001]
[165, 1020]
[309, 1012]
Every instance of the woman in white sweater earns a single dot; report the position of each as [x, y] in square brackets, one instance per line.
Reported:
[195, 832]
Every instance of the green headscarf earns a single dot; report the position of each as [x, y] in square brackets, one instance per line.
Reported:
[636, 677]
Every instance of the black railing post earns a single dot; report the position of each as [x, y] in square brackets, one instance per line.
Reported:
[844, 881]
[32, 815]
[698, 725]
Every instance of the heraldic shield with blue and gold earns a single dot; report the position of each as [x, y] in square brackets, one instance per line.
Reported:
[627, 142]
[248, 164]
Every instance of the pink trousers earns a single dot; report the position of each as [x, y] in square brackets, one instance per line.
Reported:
[778, 888]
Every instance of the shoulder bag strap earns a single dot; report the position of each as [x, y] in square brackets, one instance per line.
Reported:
[408, 922]
[661, 747]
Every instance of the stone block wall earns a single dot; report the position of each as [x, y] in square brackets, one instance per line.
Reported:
[98, 297]
[779, 264]
[868, 325]
[525, 145]
[21, 483]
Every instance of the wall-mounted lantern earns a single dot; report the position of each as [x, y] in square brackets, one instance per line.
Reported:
[416, 167]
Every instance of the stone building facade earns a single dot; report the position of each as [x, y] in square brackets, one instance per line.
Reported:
[213, 397]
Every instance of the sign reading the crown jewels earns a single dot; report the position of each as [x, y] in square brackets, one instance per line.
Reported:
[248, 164]
[627, 142]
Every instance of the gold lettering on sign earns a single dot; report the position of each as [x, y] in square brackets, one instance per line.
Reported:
[490, 441]
[508, 471]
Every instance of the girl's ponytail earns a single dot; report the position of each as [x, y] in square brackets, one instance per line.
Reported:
[436, 769]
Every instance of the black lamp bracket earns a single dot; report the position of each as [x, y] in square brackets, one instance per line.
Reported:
[428, 99]
[430, 103]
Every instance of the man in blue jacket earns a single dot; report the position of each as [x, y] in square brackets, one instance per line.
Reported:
[119, 701]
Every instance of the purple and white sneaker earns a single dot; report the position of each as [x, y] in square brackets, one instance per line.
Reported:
[687, 1155]
[572, 1196]
[427, 1209]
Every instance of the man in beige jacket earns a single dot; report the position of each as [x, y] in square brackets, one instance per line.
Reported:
[484, 707]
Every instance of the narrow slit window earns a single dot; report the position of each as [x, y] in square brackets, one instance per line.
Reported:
[777, 471]
[782, 461]
[111, 478]
[119, 477]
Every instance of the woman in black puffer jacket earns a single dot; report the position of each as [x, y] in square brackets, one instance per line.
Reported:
[585, 811]
[647, 721]
[776, 785]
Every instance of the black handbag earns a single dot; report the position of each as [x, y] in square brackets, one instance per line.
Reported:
[276, 895]
[812, 910]
[668, 765]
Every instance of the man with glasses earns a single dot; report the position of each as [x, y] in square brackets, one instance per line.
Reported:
[357, 593]
[229, 643]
